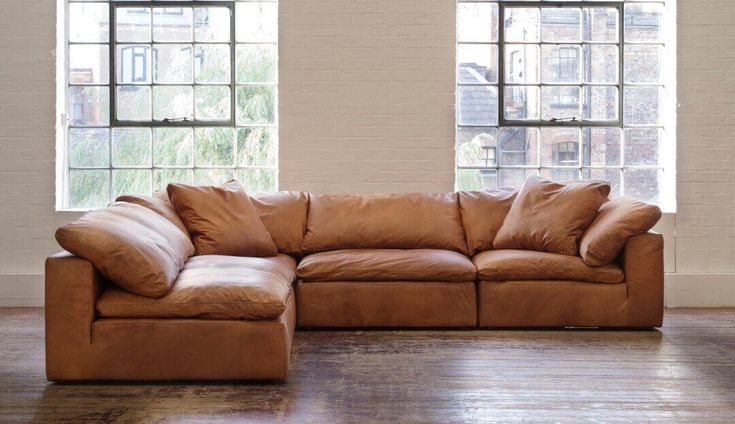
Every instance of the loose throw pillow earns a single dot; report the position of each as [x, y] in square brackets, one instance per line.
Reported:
[134, 247]
[616, 221]
[221, 220]
[551, 217]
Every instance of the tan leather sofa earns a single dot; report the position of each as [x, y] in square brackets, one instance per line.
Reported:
[410, 260]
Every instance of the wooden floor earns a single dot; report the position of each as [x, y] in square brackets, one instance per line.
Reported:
[683, 373]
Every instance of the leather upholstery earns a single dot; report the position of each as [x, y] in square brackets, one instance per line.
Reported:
[616, 221]
[510, 264]
[157, 204]
[551, 217]
[73, 285]
[129, 244]
[540, 303]
[642, 260]
[386, 304]
[192, 349]
[387, 265]
[284, 215]
[213, 287]
[483, 213]
[392, 221]
[221, 220]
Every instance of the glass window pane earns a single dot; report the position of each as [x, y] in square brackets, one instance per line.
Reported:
[612, 176]
[89, 22]
[600, 24]
[214, 147]
[477, 22]
[560, 146]
[642, 184]
[643, 22]
[89, 106]
[643, 64]
[514, 178]
[133, 103]
[256, 105]
[560, 102]
[560, 175]
[212, 24]
[213, 176]
[133, 24]
[89, 147]
[642, 105]
[521, 24]
[257, 21]
[256, 63]
[600, 103]
[561, 64]
[477, 147]
[89, 64]
[477, 105]
[601, 64]
[477, 179]
[642, 146]
[601, 146]
[131, 147]
[212, 64]
[131, 181]
[172, 146]
[560, 24]
[256, 180]
[477, 64]
[164, 177]
[172, 24]
[174, 102]
[89, 189]
[133, 64]
[522, 63]
[257, 147]
[518, 147]
[521, 102]
[212, 103]
[172, 63]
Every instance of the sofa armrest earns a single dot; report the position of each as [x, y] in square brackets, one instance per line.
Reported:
[642, 260]
[72, 288]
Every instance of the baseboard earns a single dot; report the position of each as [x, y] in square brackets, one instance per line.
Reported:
[700, 290]
[21, 290]
[682, 290]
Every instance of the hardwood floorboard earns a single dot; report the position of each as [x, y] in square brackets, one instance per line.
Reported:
[684, 372]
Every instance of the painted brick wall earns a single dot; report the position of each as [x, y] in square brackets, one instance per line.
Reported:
[366, 105]
[705, 221]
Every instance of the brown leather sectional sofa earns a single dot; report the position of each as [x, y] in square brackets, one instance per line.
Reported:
[410, 260]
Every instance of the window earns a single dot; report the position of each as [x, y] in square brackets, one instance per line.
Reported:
[159, 92]
[568, 90]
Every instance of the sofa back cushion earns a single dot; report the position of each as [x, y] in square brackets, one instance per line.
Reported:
[616, 221]
[391, 221]
[483, 213]
[221, 220]
[132, 246]
[551, 217]
[284, 215]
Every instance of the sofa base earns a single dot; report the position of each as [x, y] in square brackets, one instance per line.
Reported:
[189, 349]
[386, 304]
[556, 304]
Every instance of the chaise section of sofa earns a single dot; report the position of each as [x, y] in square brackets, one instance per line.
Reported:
[238, 324]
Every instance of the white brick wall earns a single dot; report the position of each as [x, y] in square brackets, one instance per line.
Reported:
[366, 105]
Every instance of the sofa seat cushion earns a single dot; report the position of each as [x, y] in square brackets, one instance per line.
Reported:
[387, 265]
[510, 264]
[213, 287]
